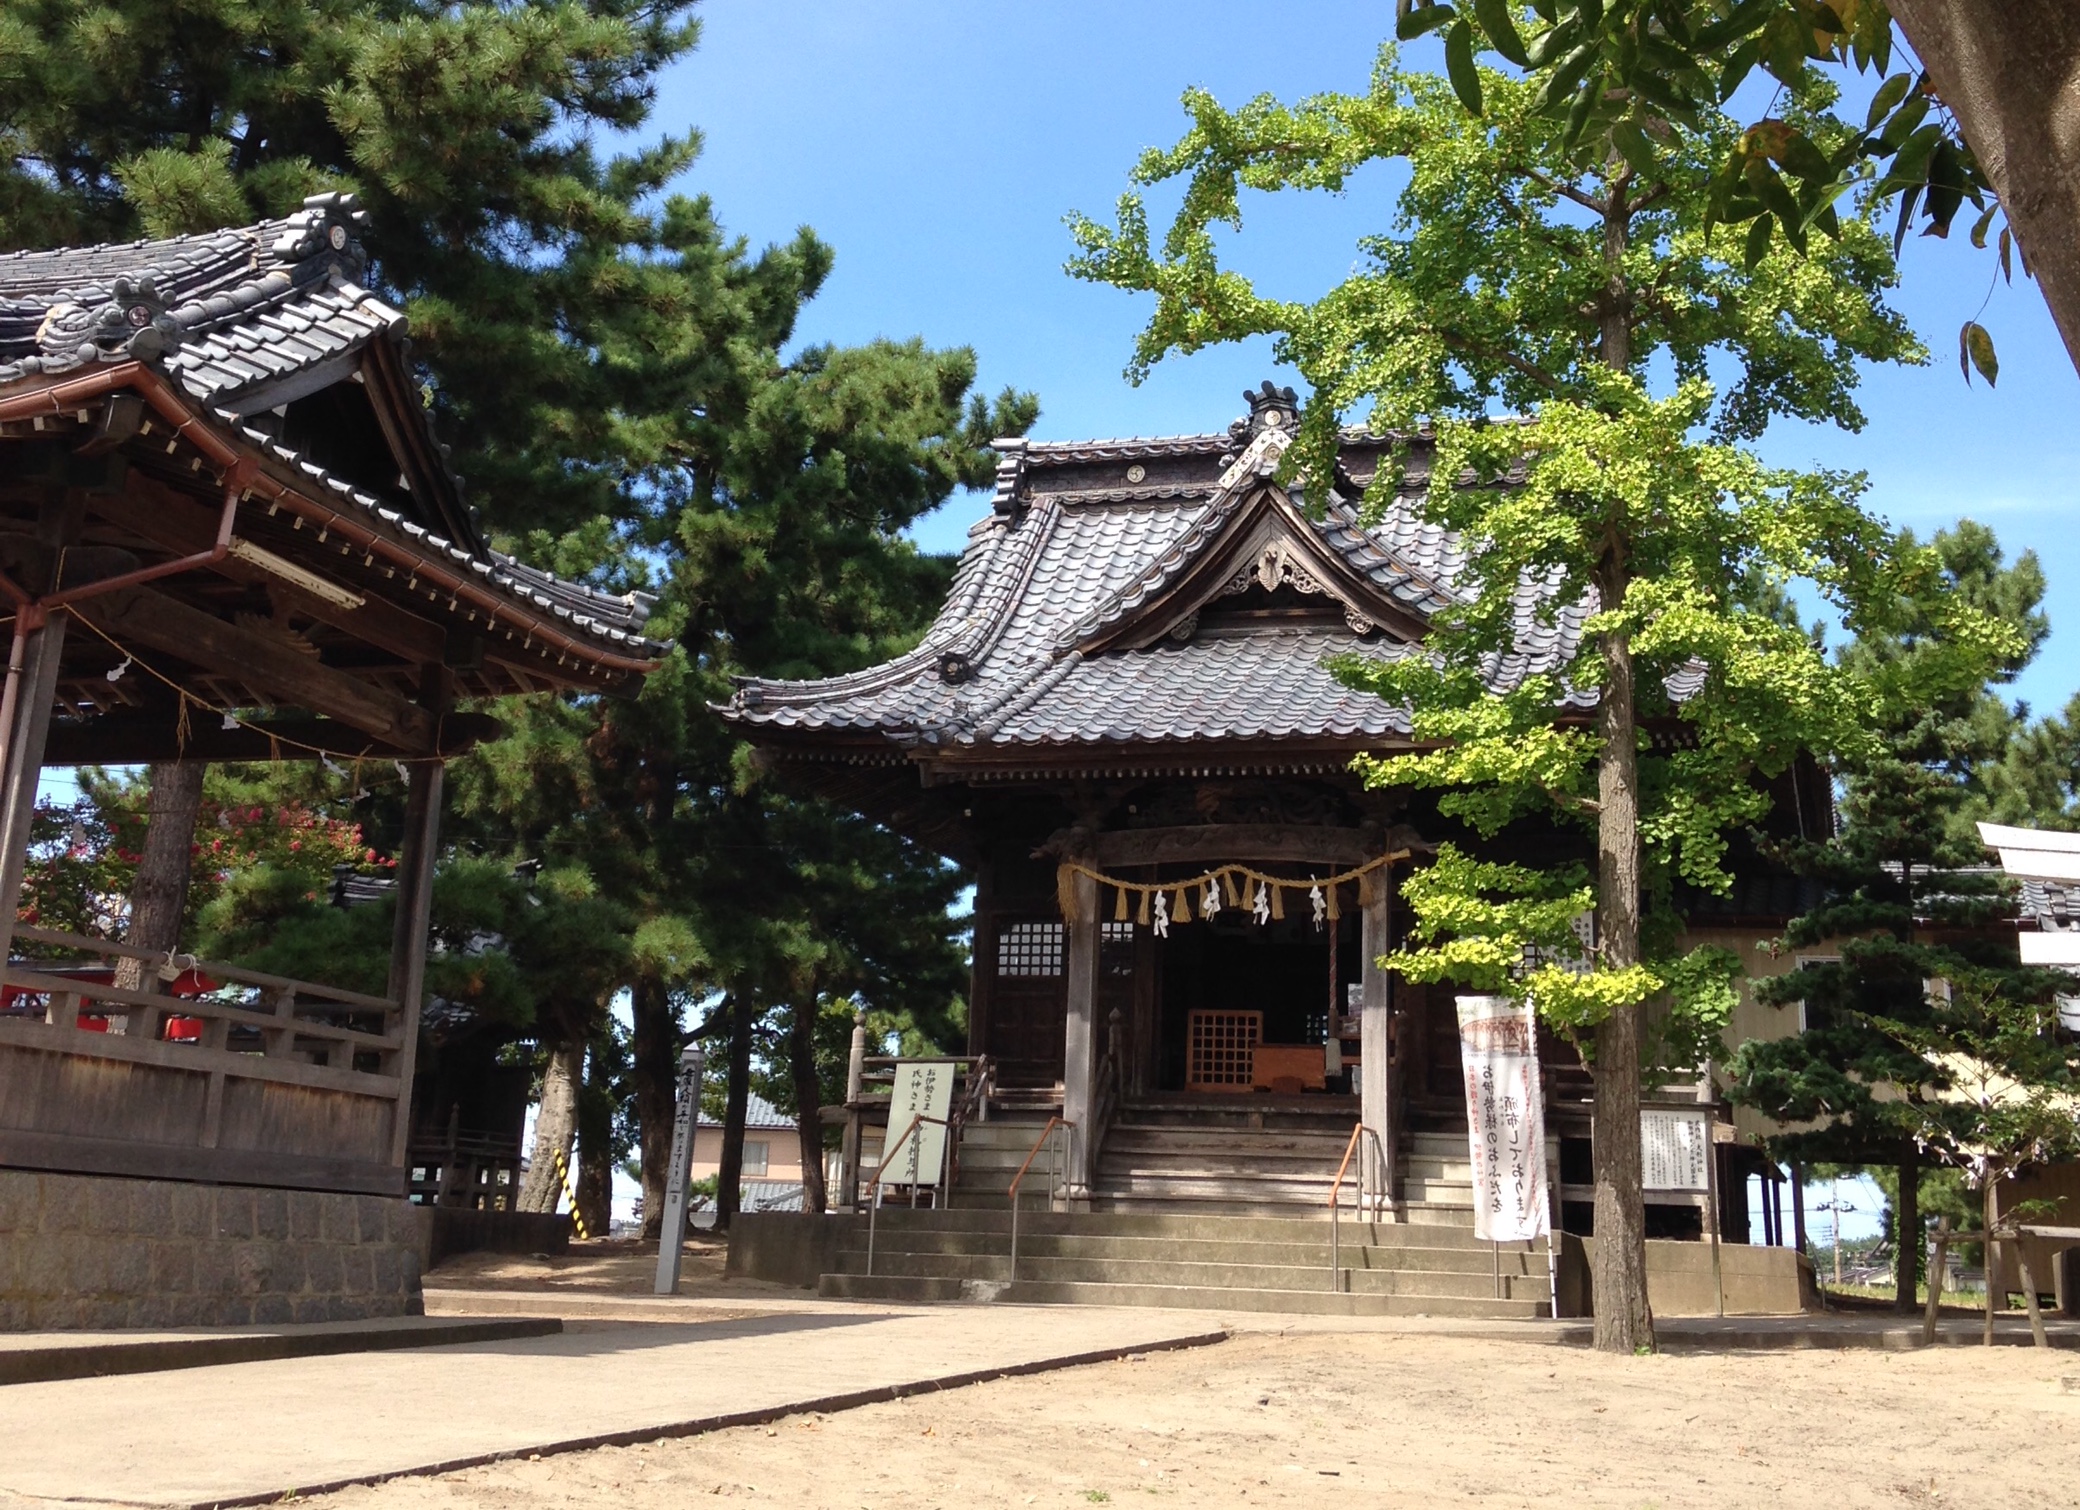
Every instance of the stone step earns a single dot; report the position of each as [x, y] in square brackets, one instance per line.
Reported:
[1198, 1276]
[1186, 1137]
[1424, 1248]
[1209, 1163]
[1443, 1223]
[1298, 1302]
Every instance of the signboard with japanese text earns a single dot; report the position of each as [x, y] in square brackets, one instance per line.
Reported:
[1673, 1147]
[1505, 1119]
[923, 1089]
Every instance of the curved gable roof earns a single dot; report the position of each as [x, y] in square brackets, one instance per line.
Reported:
[1086, 614]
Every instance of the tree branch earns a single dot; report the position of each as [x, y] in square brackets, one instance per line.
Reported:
[1503, 355]
[1565, 190]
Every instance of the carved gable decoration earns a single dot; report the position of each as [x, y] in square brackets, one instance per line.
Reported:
[1265, 542]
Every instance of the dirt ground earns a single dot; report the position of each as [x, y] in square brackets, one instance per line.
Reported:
[1373, 1419]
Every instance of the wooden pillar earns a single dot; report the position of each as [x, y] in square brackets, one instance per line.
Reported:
[1079, 1046]
[422, 827]
[32, 684]
[1375, 1028]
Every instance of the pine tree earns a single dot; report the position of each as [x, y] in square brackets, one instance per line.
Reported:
[575, 317]
[1906, 900]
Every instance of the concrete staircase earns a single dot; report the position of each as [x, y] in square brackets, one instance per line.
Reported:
[1234, 1159]
[1198, 1261]
[1208, 1205]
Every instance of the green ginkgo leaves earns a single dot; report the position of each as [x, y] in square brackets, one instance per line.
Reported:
[1623, 74]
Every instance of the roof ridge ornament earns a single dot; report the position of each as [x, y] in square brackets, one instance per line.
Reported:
[133, 321]
[328, 228]
[1270, 408]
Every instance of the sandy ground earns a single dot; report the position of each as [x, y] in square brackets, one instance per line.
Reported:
[1375, 1419]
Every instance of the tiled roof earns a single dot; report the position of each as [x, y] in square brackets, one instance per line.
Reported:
[225, 311]
[758, 1112]
[617, 619]
[248, 319]
[1091, 543]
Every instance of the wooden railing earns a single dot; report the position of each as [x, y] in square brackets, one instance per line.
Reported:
[1105, 1092]
[1939, 1246]
[259, 1079]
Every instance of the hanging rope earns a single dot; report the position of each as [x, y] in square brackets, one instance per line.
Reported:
[230, 719]
[1164, 903]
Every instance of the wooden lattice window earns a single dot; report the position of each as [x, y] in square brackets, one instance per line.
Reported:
[1221, 1050]
[1116, 949]
[1029, 949]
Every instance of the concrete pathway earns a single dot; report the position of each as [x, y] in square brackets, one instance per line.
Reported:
[249, 1433]
[35, 1357]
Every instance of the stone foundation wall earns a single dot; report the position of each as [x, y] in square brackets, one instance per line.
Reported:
[86, 1251]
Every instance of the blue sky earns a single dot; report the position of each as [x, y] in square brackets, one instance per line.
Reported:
[937, 146]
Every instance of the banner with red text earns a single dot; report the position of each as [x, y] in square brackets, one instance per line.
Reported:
[1505, 1118]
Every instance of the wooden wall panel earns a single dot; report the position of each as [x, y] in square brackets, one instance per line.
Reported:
[291, 1119]
[77, 1096]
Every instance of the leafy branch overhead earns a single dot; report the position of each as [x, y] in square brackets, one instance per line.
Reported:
[1628, 76]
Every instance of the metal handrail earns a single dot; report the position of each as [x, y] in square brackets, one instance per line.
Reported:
[1053, 1123]
[914, 1138]
[1359, 1132]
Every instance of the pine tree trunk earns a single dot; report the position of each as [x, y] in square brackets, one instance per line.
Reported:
[1624, 1319]
[655, 1072]
[2008, 69]
[1906, 1230]
[808, 1100]
[554, 1127]
[729, 1175]
[159, 895]
[596, 1148]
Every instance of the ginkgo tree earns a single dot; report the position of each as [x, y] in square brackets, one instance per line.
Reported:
[1528, 272]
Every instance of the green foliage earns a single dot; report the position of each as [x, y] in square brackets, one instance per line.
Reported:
[83, 855]
[1971, 1072]
[1529, 268]
[619, 381]
[1631, 78]
[1491, 288]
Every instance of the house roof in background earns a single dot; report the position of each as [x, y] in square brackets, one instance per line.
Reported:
[760, 1113]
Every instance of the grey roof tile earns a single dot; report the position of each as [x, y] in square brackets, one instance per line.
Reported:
[236, 310]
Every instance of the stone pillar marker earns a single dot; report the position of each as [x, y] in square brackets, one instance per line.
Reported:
[671, 1237]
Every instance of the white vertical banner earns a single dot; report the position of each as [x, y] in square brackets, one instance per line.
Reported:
[923, 1088]
[1505, 1118]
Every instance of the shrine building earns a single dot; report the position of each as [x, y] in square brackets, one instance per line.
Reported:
[1122, 721]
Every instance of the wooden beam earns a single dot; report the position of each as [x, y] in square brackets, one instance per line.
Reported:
[422, 827]
[167, 1161]
[140, 738]
[1214, 844]
[175, 522]
[142, 618]
[1080, 1038]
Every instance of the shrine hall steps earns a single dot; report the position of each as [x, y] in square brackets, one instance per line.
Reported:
[1223, 1160]
[1197, 1262]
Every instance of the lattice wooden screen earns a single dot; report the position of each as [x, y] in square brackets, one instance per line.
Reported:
[1221, 1050]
